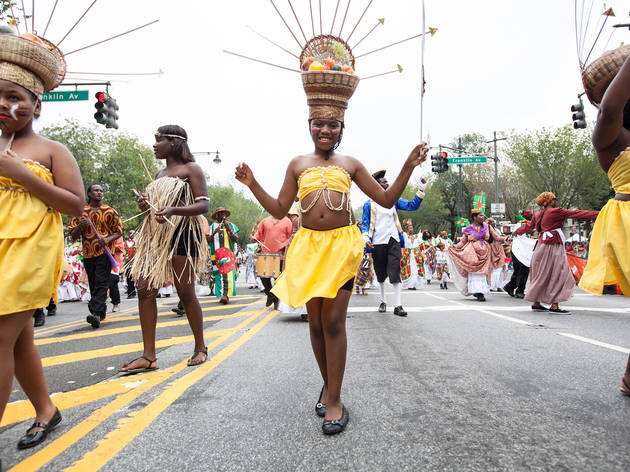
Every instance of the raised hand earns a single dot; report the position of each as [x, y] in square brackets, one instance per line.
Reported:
[418, 155]
[244, 174]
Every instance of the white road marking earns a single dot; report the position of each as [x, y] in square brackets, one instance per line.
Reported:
[596, 343]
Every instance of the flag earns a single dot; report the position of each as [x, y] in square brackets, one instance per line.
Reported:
[479, 202]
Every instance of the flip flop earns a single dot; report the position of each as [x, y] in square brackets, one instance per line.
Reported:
[625, 388]
[139, 370]
[202, 351]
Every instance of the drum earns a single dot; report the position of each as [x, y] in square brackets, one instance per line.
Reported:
[268, 265]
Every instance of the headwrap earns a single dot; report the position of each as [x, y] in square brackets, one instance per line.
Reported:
[31, 62]
[544, 199]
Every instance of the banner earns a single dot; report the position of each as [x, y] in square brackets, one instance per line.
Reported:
[479, 203]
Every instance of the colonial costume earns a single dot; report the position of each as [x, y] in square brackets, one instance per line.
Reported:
[411, 267]
[31, 233]
[551, 280]
[222, 250]
[382, 228]
[521, 250]
[497, 259]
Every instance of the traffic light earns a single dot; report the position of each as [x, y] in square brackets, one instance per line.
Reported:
[439, 162]
[579, 118]
[106, 110]
[101, 114]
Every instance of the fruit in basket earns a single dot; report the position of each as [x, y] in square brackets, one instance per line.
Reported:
[337, 67]
[347, 69]
[329, 64]
[316, 65]
[307, 63]
[32, 37]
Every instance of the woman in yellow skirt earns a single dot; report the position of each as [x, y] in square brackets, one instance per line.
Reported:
[325, 254]
[609, 250]
[39, 179]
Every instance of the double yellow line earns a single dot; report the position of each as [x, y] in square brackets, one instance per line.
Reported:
[127, 430]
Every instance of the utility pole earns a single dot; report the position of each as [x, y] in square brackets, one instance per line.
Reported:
[496, 167]
[460, 193]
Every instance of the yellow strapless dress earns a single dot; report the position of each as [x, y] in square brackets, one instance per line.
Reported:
[31, 246]
[319, 263]
[609, 249]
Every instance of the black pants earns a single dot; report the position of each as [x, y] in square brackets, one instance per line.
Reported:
[519, 277]
[131, 284]
[98, 270]
[266, 281]
[387, 261]
[114, 293]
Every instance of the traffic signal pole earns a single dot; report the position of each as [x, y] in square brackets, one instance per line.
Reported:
[460, 192]
[496, 166]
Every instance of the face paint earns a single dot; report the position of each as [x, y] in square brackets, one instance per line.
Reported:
[12, 111]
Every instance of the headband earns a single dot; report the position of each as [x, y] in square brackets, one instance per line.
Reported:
[157, 135]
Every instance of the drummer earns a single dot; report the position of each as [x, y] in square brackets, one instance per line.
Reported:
[273, 237]
[223, 234]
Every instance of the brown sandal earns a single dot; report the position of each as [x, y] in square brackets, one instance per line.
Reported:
[202, 351]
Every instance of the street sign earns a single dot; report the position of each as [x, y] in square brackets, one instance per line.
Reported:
[71, 96]
[467, 160]
[497, 208]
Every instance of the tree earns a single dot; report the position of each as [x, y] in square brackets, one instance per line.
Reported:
[110, 159]
[561, 161]
[7, 10]
[431, 215]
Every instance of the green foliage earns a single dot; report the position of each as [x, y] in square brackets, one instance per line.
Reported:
[109, 159]
[244, 212]
[562, 161]
[8, 8]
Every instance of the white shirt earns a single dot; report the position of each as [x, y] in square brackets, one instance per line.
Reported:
[384, 225]
[412, 243]
[440, 257]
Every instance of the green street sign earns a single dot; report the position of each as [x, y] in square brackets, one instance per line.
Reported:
[468, 160]
[71, 96]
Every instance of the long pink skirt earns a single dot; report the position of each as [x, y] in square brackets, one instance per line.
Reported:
[550, 278]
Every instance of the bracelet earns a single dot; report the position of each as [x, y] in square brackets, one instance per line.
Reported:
[202, 198]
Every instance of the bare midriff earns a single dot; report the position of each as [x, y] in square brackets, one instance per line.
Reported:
[624, 197]
[320, 217]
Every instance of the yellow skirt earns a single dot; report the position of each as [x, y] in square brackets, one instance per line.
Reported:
[609, 250]
[318, 264]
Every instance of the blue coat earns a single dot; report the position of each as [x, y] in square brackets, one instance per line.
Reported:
[369, 215]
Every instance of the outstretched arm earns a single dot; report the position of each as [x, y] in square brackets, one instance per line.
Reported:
[609, 127]
[388, 198]
[277, 207]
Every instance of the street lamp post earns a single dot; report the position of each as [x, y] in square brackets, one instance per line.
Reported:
[217, 158]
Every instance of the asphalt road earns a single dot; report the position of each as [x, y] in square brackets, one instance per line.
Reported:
[457, 385]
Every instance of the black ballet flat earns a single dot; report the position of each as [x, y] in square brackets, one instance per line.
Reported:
[33, 439]
[320, 408]
[336, 426]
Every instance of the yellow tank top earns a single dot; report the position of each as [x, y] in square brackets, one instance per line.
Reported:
[20, 212]
[322, 180]
[619, 172]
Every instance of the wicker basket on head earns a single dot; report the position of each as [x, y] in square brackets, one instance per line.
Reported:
[328, 90]
[33, 57]
[598, 75]
[324, 46]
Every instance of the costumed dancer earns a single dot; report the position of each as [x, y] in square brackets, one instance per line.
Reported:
[383, 235]
[39, 180]
[497, 256]
[470, 258]
[521, 250]
[551, 280]
[223, 239]
[428, 257]
[442, 272]
[411, 259]
[365, 275]
[609, 249]
[171, 242]
[273, 235]
[326, 252]
[98, 227]
[444, 237]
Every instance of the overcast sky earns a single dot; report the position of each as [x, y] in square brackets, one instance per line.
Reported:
[494, 65]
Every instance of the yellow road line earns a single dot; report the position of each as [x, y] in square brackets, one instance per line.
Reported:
[131, 426]
[129, 329]
[69, 324]
[59, 445]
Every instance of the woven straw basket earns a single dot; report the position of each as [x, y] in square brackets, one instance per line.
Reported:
[598, 75]
[33, 57]
[329, 87]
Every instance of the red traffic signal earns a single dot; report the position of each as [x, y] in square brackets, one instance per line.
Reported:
[444, 155]
[100, 97]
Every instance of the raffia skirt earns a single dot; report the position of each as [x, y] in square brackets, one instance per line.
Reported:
[609, 250]
[550, 278]
[318, 264]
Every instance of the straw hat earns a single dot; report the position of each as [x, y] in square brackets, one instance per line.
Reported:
[35, 64]
[220, 210]
[598, 75]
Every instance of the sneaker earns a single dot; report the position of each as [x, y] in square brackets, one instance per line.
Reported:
[480, 297]
[179, 311]
[382, 308]
[509, 291]
[94, 320]
[115, 308]
[52, 311]
[38, 318]
[399, 311]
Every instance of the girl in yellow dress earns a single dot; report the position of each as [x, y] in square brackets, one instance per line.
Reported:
[39, 179]
[325, 254]
[609, 256]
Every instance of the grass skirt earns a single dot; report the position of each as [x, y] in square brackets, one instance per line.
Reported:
[318, 264]
[156, 243]
[609, 250]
